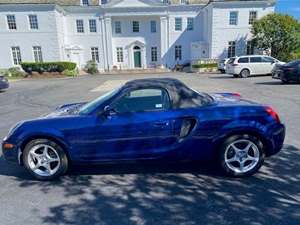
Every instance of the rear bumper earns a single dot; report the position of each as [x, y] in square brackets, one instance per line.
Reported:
[277, 136]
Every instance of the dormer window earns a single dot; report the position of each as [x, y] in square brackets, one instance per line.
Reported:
[85, 2]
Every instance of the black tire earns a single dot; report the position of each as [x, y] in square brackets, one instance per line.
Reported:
[244, 73]
[236, 75]
[63, 165]
[233, 139]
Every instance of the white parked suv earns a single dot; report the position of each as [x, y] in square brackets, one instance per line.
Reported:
[244, 66]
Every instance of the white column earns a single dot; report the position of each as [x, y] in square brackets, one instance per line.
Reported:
[108, 42]
[164, 37]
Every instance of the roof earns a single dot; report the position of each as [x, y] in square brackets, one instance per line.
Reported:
[181, 96]
[112, 2]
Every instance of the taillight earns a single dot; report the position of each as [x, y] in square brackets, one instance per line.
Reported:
[290, 69]
[273, 114]
[236, 94]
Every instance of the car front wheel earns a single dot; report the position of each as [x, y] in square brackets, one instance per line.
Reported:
[241, 155]
[45, 159]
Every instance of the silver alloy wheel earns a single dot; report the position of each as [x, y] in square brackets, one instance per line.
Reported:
[245, 73]
[242, 156]
[43, 160]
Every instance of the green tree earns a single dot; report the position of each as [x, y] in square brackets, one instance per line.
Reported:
[278, 33]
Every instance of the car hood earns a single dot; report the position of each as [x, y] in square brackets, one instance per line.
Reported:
[65, 110]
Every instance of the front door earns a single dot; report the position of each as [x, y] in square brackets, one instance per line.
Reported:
[137, 57]
[139, 126]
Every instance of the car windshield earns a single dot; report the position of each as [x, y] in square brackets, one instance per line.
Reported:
[293, 63]
[91, 106]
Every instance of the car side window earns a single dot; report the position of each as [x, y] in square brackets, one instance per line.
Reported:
[143, 100]
[268, 59]
[255, 60]
[243, 60]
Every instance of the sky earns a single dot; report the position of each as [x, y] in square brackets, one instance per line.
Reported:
[291, 7]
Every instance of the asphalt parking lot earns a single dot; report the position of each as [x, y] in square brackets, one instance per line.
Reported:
[147, 194]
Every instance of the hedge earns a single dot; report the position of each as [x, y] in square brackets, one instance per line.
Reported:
[205, 65]
[41, 67]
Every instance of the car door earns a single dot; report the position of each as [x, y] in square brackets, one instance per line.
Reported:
[255, 65]
[268, 64]
[138, 125]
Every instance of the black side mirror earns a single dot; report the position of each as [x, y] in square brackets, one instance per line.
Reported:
[109, 111]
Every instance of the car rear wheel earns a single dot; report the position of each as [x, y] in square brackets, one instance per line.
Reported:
[245, 73]
[241, 155]
[45, 159]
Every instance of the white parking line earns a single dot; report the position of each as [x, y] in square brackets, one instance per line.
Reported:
[109, 85]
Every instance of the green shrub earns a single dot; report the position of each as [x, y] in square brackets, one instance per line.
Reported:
[91, 67]
[205, 65]
[41, 67]
[13, 72]
[71, 73]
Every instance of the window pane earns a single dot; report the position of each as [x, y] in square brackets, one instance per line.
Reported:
[268, 59]
[79, 25]
[233, 18]
[33, 22]
[178, 24]
[243, 60]
[255, 59]
[118, 29]
[178, 52]
[16, 55]
[252, 17]
[85, 2]
[37, 53]
[135, 26]
[190, 24]
[95, 54]
[93, 26]
[231, 49]
[154, 54]
[119, 54]
[11, 22]
[143, 100]
[153, 26]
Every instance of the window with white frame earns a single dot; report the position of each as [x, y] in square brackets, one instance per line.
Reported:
[79, 26]
[93, 26]
[135, 26]
[190, 23]
[37, 53]
[233, 18]
[11, 22]
[250, 48]
[33, 22]
[252, 17]
[231, 49]
[178, 24]
[85, 2]
[119, 54]
[153, 26]
[154, 54]
[16, 55]
[178, 52]
[118, 27]
[95, 54]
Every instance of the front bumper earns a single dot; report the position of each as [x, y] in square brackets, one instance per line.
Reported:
[4, 85]
[11, 154]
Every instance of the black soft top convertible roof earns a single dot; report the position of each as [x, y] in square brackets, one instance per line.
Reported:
[181, 96]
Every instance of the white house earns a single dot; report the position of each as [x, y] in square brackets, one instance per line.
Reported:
[127, 34]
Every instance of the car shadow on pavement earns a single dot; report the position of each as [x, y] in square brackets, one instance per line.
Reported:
[148, 194]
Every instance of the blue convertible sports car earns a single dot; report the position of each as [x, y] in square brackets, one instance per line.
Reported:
[149, 119]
